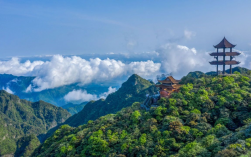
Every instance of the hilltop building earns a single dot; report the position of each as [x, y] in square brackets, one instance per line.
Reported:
[224, 44]
[167, 86]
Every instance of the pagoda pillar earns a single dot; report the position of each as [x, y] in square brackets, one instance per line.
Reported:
[224, 59]
[217, 70]
[231, 57]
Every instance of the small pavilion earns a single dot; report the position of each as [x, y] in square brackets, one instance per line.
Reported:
[224, 44]
[167, 86]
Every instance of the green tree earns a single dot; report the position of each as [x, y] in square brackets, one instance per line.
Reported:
[135, 116]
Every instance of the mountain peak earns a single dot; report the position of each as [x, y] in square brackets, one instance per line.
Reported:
[135, 80]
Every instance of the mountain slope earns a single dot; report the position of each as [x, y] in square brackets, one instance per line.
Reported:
[19, 118]
[74, 108]
[209, 117]
[134, 89]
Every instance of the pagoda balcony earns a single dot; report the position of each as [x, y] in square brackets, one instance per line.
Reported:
[226, 54]
[227, 62]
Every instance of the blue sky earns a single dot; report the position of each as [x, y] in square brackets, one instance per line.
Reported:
[33, 27]
[64, 42]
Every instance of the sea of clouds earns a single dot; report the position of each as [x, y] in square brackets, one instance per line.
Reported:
[64, 70]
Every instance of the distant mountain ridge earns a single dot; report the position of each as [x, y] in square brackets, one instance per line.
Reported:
[55, 96]
[20, 118]
[74, 108]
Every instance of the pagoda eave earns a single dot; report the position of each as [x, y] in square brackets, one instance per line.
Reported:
[168, 81]
[226, 63]
[225, 54]
[221, 47]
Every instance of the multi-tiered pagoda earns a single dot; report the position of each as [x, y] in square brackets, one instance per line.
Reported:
[167, 86]
[224, 44]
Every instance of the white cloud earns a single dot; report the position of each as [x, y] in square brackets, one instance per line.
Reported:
[67, 70]
[105, 94]
[14, 66]
[189, 34]
[78, 96]
[7, 89]
[179, 60]
[28, 89]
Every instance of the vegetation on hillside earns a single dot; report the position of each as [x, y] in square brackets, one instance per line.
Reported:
[20, 118]
[210, 116]
[74, 108]
[134, 89]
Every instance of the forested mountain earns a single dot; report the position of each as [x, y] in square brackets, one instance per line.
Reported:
[210, 116]
[55, 96]
[134, 89]
[74, 108]
[21, 121]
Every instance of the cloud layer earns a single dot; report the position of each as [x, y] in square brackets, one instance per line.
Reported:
[67, 70]
[78, 96]
[59, 70]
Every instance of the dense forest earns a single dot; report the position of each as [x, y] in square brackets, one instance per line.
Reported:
[22, 121]
[133, 90]
[210, 116]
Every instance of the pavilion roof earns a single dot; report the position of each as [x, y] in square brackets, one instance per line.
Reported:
[174, 86]
[224, 44]
[169, 79]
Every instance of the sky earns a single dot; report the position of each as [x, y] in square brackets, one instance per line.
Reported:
[33, 27]
[106, 40]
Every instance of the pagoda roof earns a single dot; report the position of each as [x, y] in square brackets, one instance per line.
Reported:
[226, 54]
[224, 44]
[169, 79]
[227, 62]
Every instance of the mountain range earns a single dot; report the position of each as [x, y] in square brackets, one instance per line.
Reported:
[209, 117]
[25, 124]
[18, 85]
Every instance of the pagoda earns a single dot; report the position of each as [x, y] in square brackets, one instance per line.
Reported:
[224, 44]
[167, 86]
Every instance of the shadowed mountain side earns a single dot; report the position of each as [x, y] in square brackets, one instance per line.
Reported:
[74, 108]
[19, 118]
